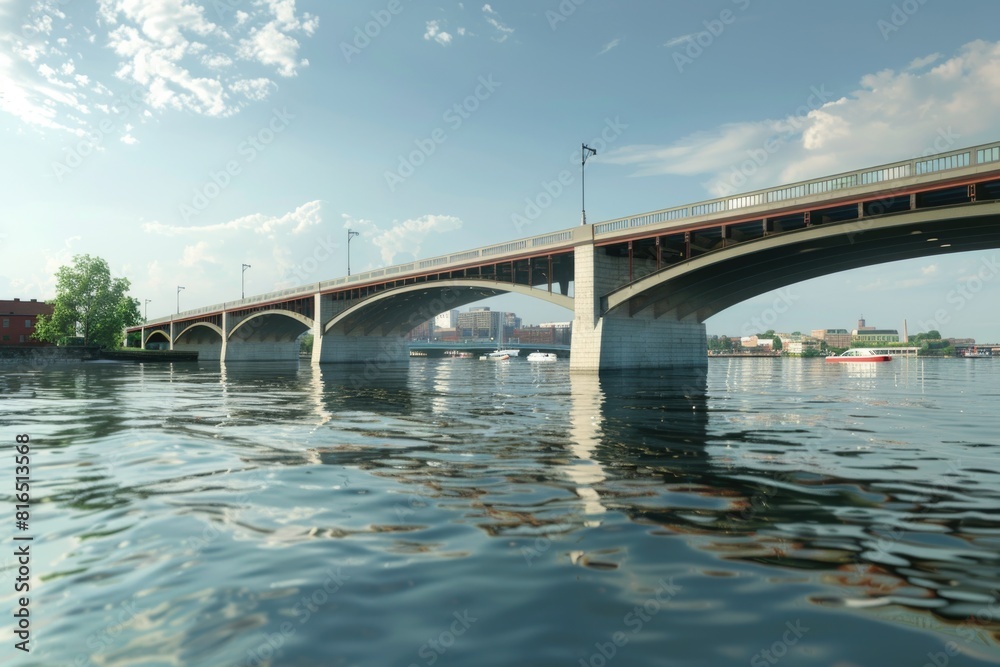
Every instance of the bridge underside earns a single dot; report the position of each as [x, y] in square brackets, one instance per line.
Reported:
[706, 285]
[373, 329]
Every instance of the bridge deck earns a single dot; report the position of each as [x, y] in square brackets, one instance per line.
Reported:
[888, 182]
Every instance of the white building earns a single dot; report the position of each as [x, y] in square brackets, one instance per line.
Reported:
[446, 320]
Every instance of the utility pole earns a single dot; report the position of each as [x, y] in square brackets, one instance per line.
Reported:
[587, 151]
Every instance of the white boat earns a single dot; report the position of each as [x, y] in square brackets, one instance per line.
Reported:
[501, 353]
[542, 356]
[976, 353]
[860, 354]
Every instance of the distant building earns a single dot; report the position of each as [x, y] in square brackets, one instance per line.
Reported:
[543, 334]
[871, 336]
[801, 345]
[756, 342]
[446, 320]
[18, 319]
[421, 332]
[479, 323]
[833, 337]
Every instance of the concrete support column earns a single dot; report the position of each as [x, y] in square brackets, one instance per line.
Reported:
[616, 341]
[360, 349]
[173, 326]
[225, 335]
[142, 338]
[323, 309]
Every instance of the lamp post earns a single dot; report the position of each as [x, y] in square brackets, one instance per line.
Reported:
[350, 235]
[243, 290]
[146, 306]
[179, 288]
[587, 151]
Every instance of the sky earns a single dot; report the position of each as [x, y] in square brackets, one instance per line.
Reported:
[182, 139]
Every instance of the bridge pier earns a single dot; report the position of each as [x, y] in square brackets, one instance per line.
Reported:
[237, 350]
[616, 341]
[338, 348]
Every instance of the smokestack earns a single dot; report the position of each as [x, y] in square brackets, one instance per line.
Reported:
[906, 337]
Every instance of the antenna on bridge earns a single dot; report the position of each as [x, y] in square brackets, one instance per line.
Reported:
[586, 152]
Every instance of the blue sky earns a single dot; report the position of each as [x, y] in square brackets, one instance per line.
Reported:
[179, 139]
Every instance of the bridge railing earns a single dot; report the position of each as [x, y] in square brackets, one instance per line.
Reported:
[555, 240]
[927, 169]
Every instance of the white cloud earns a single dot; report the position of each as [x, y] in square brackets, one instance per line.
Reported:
[403, 237]
[295, 222]
[610, 45]
[679, 40]
[179, 53]
[493, 18]
[197, 254]
[433, 32]
[944, 104]
[270, 46]
[254, 89]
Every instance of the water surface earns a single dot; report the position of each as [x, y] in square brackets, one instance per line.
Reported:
[458, 512]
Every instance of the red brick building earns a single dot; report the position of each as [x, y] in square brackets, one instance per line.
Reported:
[17, 321]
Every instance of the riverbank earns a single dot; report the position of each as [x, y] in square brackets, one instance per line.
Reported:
[41, 357]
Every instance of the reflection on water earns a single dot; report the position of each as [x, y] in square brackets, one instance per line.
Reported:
[365, 509]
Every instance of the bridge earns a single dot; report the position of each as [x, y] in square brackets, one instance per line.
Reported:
[641, 286]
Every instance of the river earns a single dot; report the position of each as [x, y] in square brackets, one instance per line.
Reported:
[463, 512]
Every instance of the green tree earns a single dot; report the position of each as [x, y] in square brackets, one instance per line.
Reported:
[89, 303]
[776, 344]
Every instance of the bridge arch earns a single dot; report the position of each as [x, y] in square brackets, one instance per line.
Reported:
[273, 324]
[192, 328]
[710, 283]
[396, 311]
[151, 337]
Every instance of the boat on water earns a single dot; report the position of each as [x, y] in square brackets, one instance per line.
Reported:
[493, 356]
[859, 354]
[976, 353]
[502, 353]
[542, 356]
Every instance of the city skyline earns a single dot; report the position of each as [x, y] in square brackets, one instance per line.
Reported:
[185, 140]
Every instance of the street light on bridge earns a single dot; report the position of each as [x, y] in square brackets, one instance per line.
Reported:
[243, 290]
[146, 314]
[179, 288]
[587, 151]
[350, 235]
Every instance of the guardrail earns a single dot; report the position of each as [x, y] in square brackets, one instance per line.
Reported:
[937, 167]
[556, 240]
